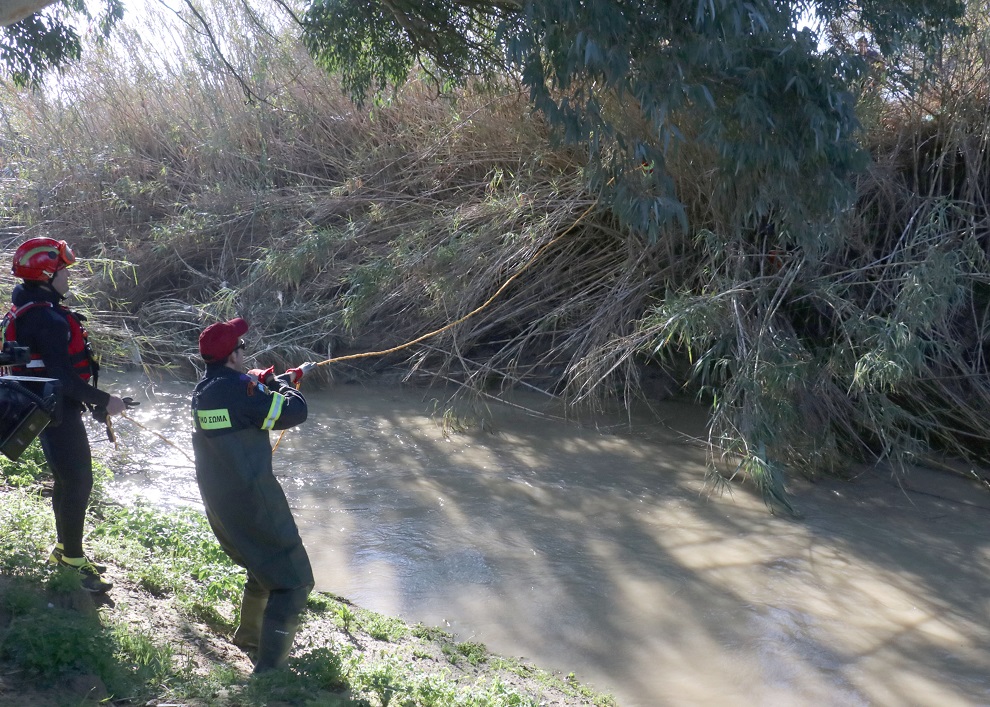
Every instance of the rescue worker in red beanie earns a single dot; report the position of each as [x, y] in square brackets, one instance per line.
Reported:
[233, 412]
[60, 349]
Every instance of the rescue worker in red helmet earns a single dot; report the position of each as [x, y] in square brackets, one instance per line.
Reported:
[233, 412]
[60, 349]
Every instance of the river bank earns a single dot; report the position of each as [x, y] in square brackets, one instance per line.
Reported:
[161, 636]
[595, 546]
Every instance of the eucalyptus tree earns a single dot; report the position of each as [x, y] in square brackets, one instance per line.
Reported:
[39, 36]
[12, 11]
[630, 80]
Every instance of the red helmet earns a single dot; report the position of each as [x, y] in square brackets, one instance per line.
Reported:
[41, 258]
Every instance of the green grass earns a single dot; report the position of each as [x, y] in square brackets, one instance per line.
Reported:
[431, 633]
[47, 641]
[325, 666]
[476, 653]
[174, 553]
[345, 617]
[27, 470]
[44, 640]
[151, 661]
[384, 628]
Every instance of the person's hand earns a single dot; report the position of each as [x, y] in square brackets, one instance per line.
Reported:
[297, 374]
[115, 406]
[263, 375]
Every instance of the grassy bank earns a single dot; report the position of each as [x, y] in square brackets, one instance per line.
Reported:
[161, 636]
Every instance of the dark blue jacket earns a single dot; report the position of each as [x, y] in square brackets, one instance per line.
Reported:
[226, 401]
[45, 331]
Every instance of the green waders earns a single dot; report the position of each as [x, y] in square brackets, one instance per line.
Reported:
[276, 642]
[250, 516]
[269, 621]
[247, 637]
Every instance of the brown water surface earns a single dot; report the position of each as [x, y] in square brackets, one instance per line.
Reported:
[596, 548]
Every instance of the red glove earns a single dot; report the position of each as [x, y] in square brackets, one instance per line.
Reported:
[263, 375]
[296, 374]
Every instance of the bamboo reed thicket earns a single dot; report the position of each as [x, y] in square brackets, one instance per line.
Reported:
[195, 195]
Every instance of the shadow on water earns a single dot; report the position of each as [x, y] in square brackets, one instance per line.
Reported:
[600, 552]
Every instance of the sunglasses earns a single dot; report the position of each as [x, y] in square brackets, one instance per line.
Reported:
[240, 345]
[65, 254]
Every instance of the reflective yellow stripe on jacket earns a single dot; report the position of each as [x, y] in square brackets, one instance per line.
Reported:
[274, 412]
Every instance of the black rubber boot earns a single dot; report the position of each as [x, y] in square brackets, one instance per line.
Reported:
[247, 637]
[276, 643]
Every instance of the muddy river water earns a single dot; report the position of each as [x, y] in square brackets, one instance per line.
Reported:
[595, 548]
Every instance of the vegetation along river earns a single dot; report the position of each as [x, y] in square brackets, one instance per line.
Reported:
[596, 548]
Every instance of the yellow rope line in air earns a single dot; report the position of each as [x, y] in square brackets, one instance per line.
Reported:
[424, 337]
[520, 271]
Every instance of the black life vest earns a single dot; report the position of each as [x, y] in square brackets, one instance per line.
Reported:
[80, 352]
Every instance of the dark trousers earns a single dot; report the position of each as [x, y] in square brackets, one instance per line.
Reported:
[67, 452]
